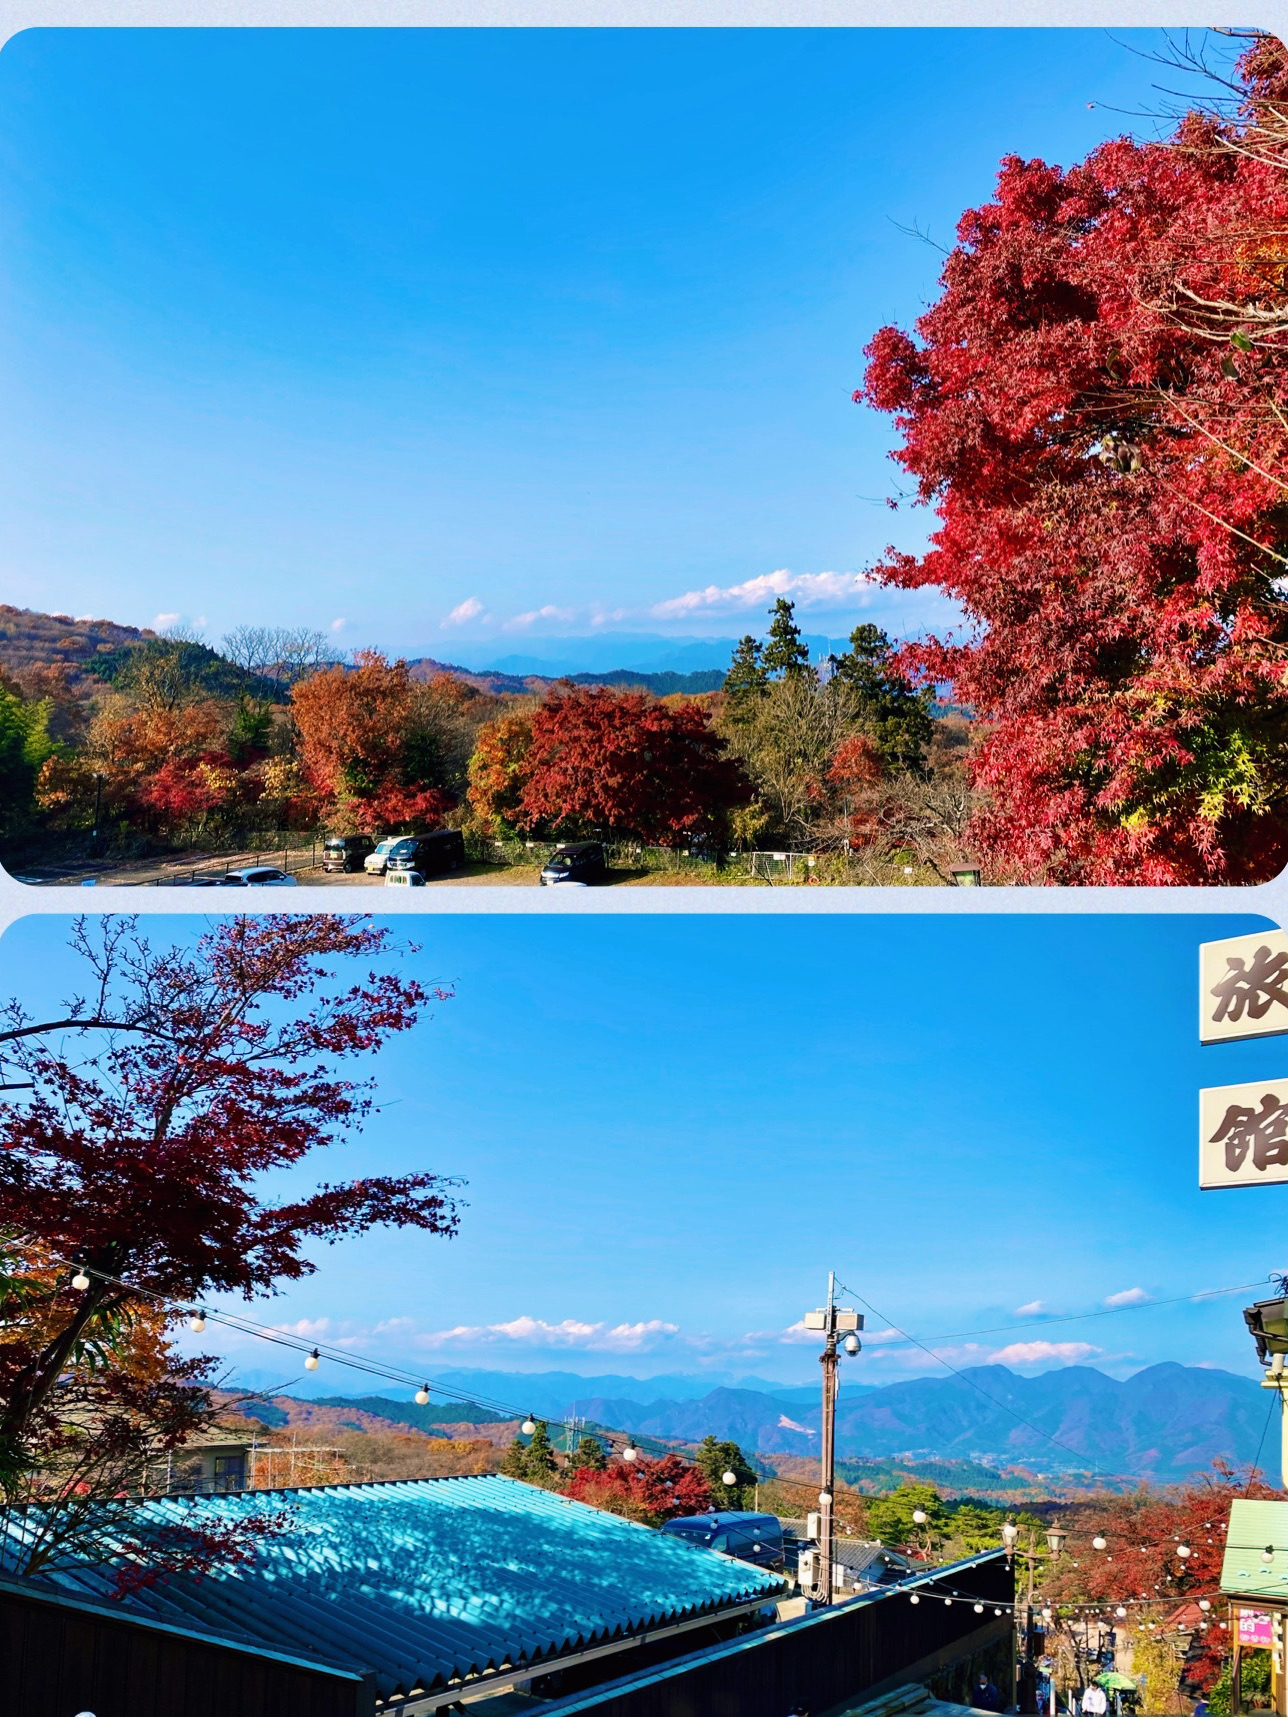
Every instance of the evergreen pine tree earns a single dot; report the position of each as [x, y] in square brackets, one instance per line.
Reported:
[514, 1463]
[539, 1457]
[744, 684]
[897, 716]
[786, 652]
[589, 1453]
[715, 1460]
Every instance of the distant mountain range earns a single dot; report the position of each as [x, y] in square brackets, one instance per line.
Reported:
[1165, 1423]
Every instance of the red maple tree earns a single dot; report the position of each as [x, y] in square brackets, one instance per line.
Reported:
[142, 1125]
[1108, 474]
[1158, 1550]
[643, 1489]
[624, 763]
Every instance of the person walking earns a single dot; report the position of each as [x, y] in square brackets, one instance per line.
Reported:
[984, 1696]
[1095, 1702]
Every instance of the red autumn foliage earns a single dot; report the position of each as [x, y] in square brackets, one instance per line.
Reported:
[622, 763]
[651, 1491]
[1140, 1567]
[1107, 473]
[156, 1111]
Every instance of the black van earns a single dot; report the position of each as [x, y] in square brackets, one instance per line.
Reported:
[576, 861]
[430, 855]
[346, 852]
[756, 1538]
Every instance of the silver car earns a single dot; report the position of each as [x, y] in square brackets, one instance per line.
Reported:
[260, 876]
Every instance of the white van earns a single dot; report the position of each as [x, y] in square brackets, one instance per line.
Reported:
[404, 879]
[376, 862]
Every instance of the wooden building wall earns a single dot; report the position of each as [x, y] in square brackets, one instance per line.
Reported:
[59, 1657]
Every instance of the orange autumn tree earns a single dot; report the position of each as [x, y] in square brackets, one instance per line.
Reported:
[371, 739]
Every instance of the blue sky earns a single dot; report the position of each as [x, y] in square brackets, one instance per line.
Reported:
[672, 1126]
[550, 331]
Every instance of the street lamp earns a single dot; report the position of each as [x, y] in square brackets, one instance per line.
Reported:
[1055, 1538]
[965, 875]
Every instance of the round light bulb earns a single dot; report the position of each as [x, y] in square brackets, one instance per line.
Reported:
[825, 1496]
[80, 1279]
[1121, 1610]
[913, 1598]
[630, 1452]
[1183, 1551]
[948, 1600]
[528, 1426]
[197, 1322]
[979, 1609]
[421, 1397]
[311, 1363]
[1098, 1543]
[996, 1610]
[919, 1517]
[1205, 1603]
[1268, 1554]
[729, 1478]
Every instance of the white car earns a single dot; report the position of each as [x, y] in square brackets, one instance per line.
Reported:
[377, 862]
[260, 876]
[404, 879]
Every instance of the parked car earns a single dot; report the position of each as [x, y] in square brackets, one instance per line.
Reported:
[756, 1538]
[376, 860]
[404, 879]
[431, 854]
[260, 876]
[576, 861]
[346, 852]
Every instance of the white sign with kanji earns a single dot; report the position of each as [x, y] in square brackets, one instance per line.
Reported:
[1243, 987]
[1243, 1134]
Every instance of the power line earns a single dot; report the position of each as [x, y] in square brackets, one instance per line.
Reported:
[1082, 1317]
[300, 1344]
[940, 1360]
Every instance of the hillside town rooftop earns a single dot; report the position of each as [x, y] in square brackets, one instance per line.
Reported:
[436, 1581]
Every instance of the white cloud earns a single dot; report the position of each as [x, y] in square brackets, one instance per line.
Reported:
[569, 1332]
[1128, 1297]
[463, 613]
[163, 622]
[1031, 1310]
[524, 622]
[1043, 1353]
[312, 1329]
[339, 625]
[807, 589]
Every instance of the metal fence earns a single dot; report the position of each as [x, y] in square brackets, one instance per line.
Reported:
[782, 866]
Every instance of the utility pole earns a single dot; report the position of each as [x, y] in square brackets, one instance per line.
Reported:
[831, 1320]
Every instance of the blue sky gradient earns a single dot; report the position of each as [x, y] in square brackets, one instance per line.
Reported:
[548, 329]
[673, 1126]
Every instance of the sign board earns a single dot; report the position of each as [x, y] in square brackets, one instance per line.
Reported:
[1243, 987]
[1253, 1627]
[1243, 1134]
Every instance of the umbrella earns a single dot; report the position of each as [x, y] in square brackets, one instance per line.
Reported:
[1112, 1682]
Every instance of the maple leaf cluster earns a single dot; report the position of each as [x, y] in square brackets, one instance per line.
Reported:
[646, 1490]
[153, 1111]
[594, 760]
[1108, 472]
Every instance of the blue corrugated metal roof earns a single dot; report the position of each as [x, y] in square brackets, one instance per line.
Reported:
[431, 1580]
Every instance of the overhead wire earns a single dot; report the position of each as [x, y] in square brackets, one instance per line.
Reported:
[310, 1347]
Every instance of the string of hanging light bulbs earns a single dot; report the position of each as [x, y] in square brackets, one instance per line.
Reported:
[197, 1318]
